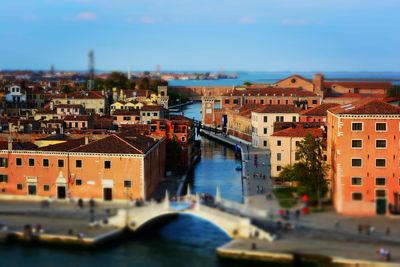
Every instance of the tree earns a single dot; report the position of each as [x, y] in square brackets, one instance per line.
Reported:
[130, 84]
[156, 83]
[116, 79]
[144, 83]
[394, 91]
[310, 171]
[247, 83]
[66, 89]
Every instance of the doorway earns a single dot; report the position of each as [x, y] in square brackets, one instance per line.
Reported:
[61, 192]
[381, 206]
[107, 194]
[32, 190]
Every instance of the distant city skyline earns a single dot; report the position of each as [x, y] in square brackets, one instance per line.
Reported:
[253, 35]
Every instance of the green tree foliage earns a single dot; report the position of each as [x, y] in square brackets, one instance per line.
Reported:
[116, 79]
[144, 83]
[310, 171]
[175, 98]
[156, 83]
[130, 84]
[394, 91]
[173, 157]
[247, 83]
[67, 89]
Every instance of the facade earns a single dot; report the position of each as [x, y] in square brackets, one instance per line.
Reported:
[116, 167]
[363, 151]
[153, 112]
[239, 122]
[90, 100]
[317, 114]
[283, 145]
[263, 119]
[126, 116]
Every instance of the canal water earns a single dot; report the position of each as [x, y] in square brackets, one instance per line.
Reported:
[186, 241]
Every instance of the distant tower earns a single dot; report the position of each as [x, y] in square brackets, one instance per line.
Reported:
[318, 81]
[52, 71]
[158, 69]
[129, 73]
[91, 71]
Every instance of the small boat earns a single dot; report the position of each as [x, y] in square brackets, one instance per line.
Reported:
[238, 167]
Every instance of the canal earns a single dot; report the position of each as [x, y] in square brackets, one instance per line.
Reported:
[186, 241]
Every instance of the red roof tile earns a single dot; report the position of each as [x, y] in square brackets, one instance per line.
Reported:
[319, 110]
[367, 106]
[278, 109]
[299, 131]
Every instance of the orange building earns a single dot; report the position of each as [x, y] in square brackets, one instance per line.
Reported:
[116, 167]
[363, 150]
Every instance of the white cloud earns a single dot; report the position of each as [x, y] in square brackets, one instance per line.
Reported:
[295, 22]
[246, 20]
[86, 16]
[147, 20]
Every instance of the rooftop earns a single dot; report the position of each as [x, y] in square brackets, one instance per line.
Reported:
[320, 110]
[278, 109]
[299, 130]
[367, 106]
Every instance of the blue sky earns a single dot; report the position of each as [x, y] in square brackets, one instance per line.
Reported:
[266, 35]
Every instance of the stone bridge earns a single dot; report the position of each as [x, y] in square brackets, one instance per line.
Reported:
[235, 226]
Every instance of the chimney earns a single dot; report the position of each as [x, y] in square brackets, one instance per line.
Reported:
[10, 143]
[86, 139]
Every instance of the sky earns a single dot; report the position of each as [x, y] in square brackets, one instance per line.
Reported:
[190, 35]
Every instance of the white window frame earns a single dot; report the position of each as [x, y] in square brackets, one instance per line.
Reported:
[381, 166]
[379, 131]
[362, 143]
[357, 131]
[351, 181]
[352, 198]
[379, 177]
[356, 166]
[381, 140]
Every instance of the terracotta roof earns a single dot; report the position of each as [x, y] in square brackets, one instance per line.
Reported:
[367, 106]
[119, 144]
[296, 76]
[271, 92]
[359, 85]
[68, 106]
[17, 145]
[152, 108]
[299, 131]
[76, 118]
[126, 112]
[278, 109]
[82, 95]
[64, 147]
[319, 110]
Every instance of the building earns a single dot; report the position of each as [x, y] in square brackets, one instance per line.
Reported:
[239, 122]
[263, 119]
[363, 148]
[92, 101]
[126, 116]
[152, 112]
[117, 167]
[316, 114]
[283, 145]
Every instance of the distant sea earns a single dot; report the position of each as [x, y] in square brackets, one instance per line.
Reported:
[270, 77]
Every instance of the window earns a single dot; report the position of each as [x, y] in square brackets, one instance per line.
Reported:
[76, 125]
[19, 186]
[297, 143]
[31, 189]
[356, 162]
[296, 156]
[278, 142]
[265, 130]
[314, 101]
[380, 193]
[294, 119]
[155, 114]
[265, 118]
[115, 118]
[278, 168]
[107, 164]
[380, 162]
[278, 156]
[3, 162]
[31, 162]
[3, 178]
[380, 181]
[287, 102]
[356, 181]
[265, 143]
[78, 182]
[226, 101]
[127, 184]
[279, 102]
[279, 118]
[262, 101]
[357, 196]
[78, 163]
[46, 187]
[380, 143]
[183, 139]
[356, 143]
[356, 126]
[60, 163]
[380, 126]
[235, 101]
[46, 163]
